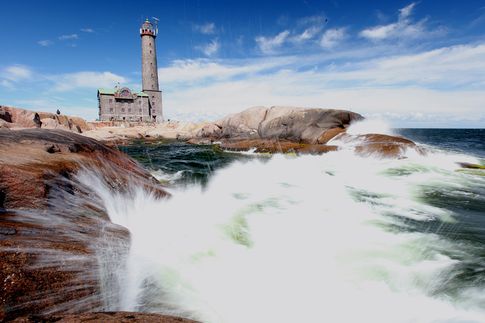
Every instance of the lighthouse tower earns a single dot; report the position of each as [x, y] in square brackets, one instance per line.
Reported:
[148, 33]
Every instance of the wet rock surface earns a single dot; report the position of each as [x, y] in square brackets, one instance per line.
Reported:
[105, 317]
[275, 146]
[55, 234]
[379, 145]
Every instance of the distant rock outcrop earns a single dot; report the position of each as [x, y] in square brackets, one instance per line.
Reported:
[16, 118]
[309, 125]
[299, 130]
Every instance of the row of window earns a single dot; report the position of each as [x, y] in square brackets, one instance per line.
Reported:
[124, 102]
[123, 110]
[154, 118]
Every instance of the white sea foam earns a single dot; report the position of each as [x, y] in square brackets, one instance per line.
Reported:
[300, 239]
[167, 177]
[370, 126]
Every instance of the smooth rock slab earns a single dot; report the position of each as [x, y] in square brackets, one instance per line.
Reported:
[57, 243]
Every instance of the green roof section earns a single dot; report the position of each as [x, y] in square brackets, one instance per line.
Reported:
[112, 92]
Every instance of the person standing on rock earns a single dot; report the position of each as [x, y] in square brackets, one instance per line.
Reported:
[37, 121]
[58, 112]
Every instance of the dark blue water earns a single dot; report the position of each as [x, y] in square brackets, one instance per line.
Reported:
[196, 162]
[468, 141]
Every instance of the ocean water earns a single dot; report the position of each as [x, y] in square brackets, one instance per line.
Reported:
[328, 238]
[468, 141]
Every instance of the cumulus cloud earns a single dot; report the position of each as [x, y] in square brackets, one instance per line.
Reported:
[45, 42]
[69, 37]
[332, 37]
[206, 29]
[307, 34]
[404, 27]
[210, 49]
[92, 80]
[269, 45]
[87, 30]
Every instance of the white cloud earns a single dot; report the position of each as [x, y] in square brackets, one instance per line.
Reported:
[268, 45]
[206, 29]
[307, 34]
[449, 67]
[210, 49]
[17, 73]
[403, 28]
[87, 30]
[193, 71]
[332, 37]
[443, 84]
[69, 37]
[45, 42]
[93, 80]
[405, 12]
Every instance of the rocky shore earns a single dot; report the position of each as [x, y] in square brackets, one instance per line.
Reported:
[54, 231]
[276, 129]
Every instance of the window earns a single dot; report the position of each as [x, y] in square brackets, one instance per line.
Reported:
[123, 110]
[140, 110]
[150, 51]
[139, 102]
[110, 109]
[110, 100]
[129, 110]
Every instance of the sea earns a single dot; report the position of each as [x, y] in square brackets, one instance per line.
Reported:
[336, 237]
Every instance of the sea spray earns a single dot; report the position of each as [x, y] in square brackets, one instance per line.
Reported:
[312, 238]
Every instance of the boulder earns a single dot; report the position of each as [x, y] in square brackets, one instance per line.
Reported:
[21, 118]
[312, 125]
[379, 145]
[305, 125]
[55, 234]
[244, 124]
[210, 130]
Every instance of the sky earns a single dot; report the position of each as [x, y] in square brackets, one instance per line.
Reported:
[411, 64]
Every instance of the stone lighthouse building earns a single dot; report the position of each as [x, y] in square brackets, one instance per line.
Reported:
[123, 104]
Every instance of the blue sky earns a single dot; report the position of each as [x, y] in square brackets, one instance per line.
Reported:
[414, 64]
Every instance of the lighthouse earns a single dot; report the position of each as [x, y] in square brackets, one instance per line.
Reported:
[149, 71]
[122, 104]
